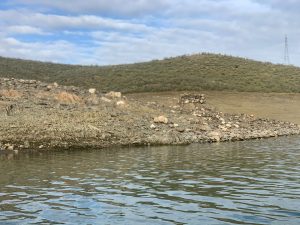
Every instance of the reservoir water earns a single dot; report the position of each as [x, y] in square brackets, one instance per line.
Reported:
[251, 182]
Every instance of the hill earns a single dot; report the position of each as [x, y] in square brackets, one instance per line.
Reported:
[196, 72]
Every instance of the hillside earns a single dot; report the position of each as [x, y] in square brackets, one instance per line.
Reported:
[195, 72]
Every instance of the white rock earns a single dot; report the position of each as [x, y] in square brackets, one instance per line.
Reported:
[228, 125]
[160, 119]
[105, 99]
[152, 126]
[10, 148]
[214, 135]
[175, 125]
[92, 90]
[236, 126]
[120, 103]
[49, 87]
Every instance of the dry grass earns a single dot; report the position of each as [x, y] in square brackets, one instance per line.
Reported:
[65, 97]
[43, 95]
[10, 93]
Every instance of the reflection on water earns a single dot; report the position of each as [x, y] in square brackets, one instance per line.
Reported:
[253, 182]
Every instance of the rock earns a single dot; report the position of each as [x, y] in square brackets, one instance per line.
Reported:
[92, 90]
[49, 87]
[228, 125]
[204, 127]
[236, 126]
[152, 126]
[120, 103]
[175, 125]
[222, 120]
[160, 119]
[26, 144]
[214, 136]
[55, 84]
[223, 128]
[10, 147]
[159, 139]
[192, 98]
[180, 129]
[105, 99]
[113, 94]
[92, 100]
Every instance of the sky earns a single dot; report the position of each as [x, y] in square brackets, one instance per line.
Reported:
[105, 32]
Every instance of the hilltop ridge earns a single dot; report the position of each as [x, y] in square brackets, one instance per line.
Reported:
[189, 73]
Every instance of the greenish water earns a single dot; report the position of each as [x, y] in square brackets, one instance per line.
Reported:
[252, 182]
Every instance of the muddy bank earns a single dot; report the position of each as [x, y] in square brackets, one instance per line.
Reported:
[37, 115]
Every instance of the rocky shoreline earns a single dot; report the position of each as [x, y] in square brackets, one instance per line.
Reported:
[37, 116]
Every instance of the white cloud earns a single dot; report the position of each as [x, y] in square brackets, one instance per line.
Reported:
[57, 51]
[111, 32]
[104, 7]
[23, 29]
[57, 22]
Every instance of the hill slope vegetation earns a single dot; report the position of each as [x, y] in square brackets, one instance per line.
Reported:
[196, 72]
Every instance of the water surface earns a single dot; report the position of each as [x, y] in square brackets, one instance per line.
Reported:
[252, 182]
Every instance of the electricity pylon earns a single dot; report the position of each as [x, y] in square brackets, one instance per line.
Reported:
[286, 51]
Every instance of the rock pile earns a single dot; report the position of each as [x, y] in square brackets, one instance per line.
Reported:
[192, 98]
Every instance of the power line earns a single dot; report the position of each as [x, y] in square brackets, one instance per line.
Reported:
[286, 51]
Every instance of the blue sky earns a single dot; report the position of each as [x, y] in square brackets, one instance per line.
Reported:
[118, 31]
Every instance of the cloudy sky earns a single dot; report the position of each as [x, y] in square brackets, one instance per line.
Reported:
[124, 31]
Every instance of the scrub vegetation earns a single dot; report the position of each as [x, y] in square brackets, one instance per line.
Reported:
[197, 72]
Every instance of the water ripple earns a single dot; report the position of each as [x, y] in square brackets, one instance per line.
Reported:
[253, 182]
